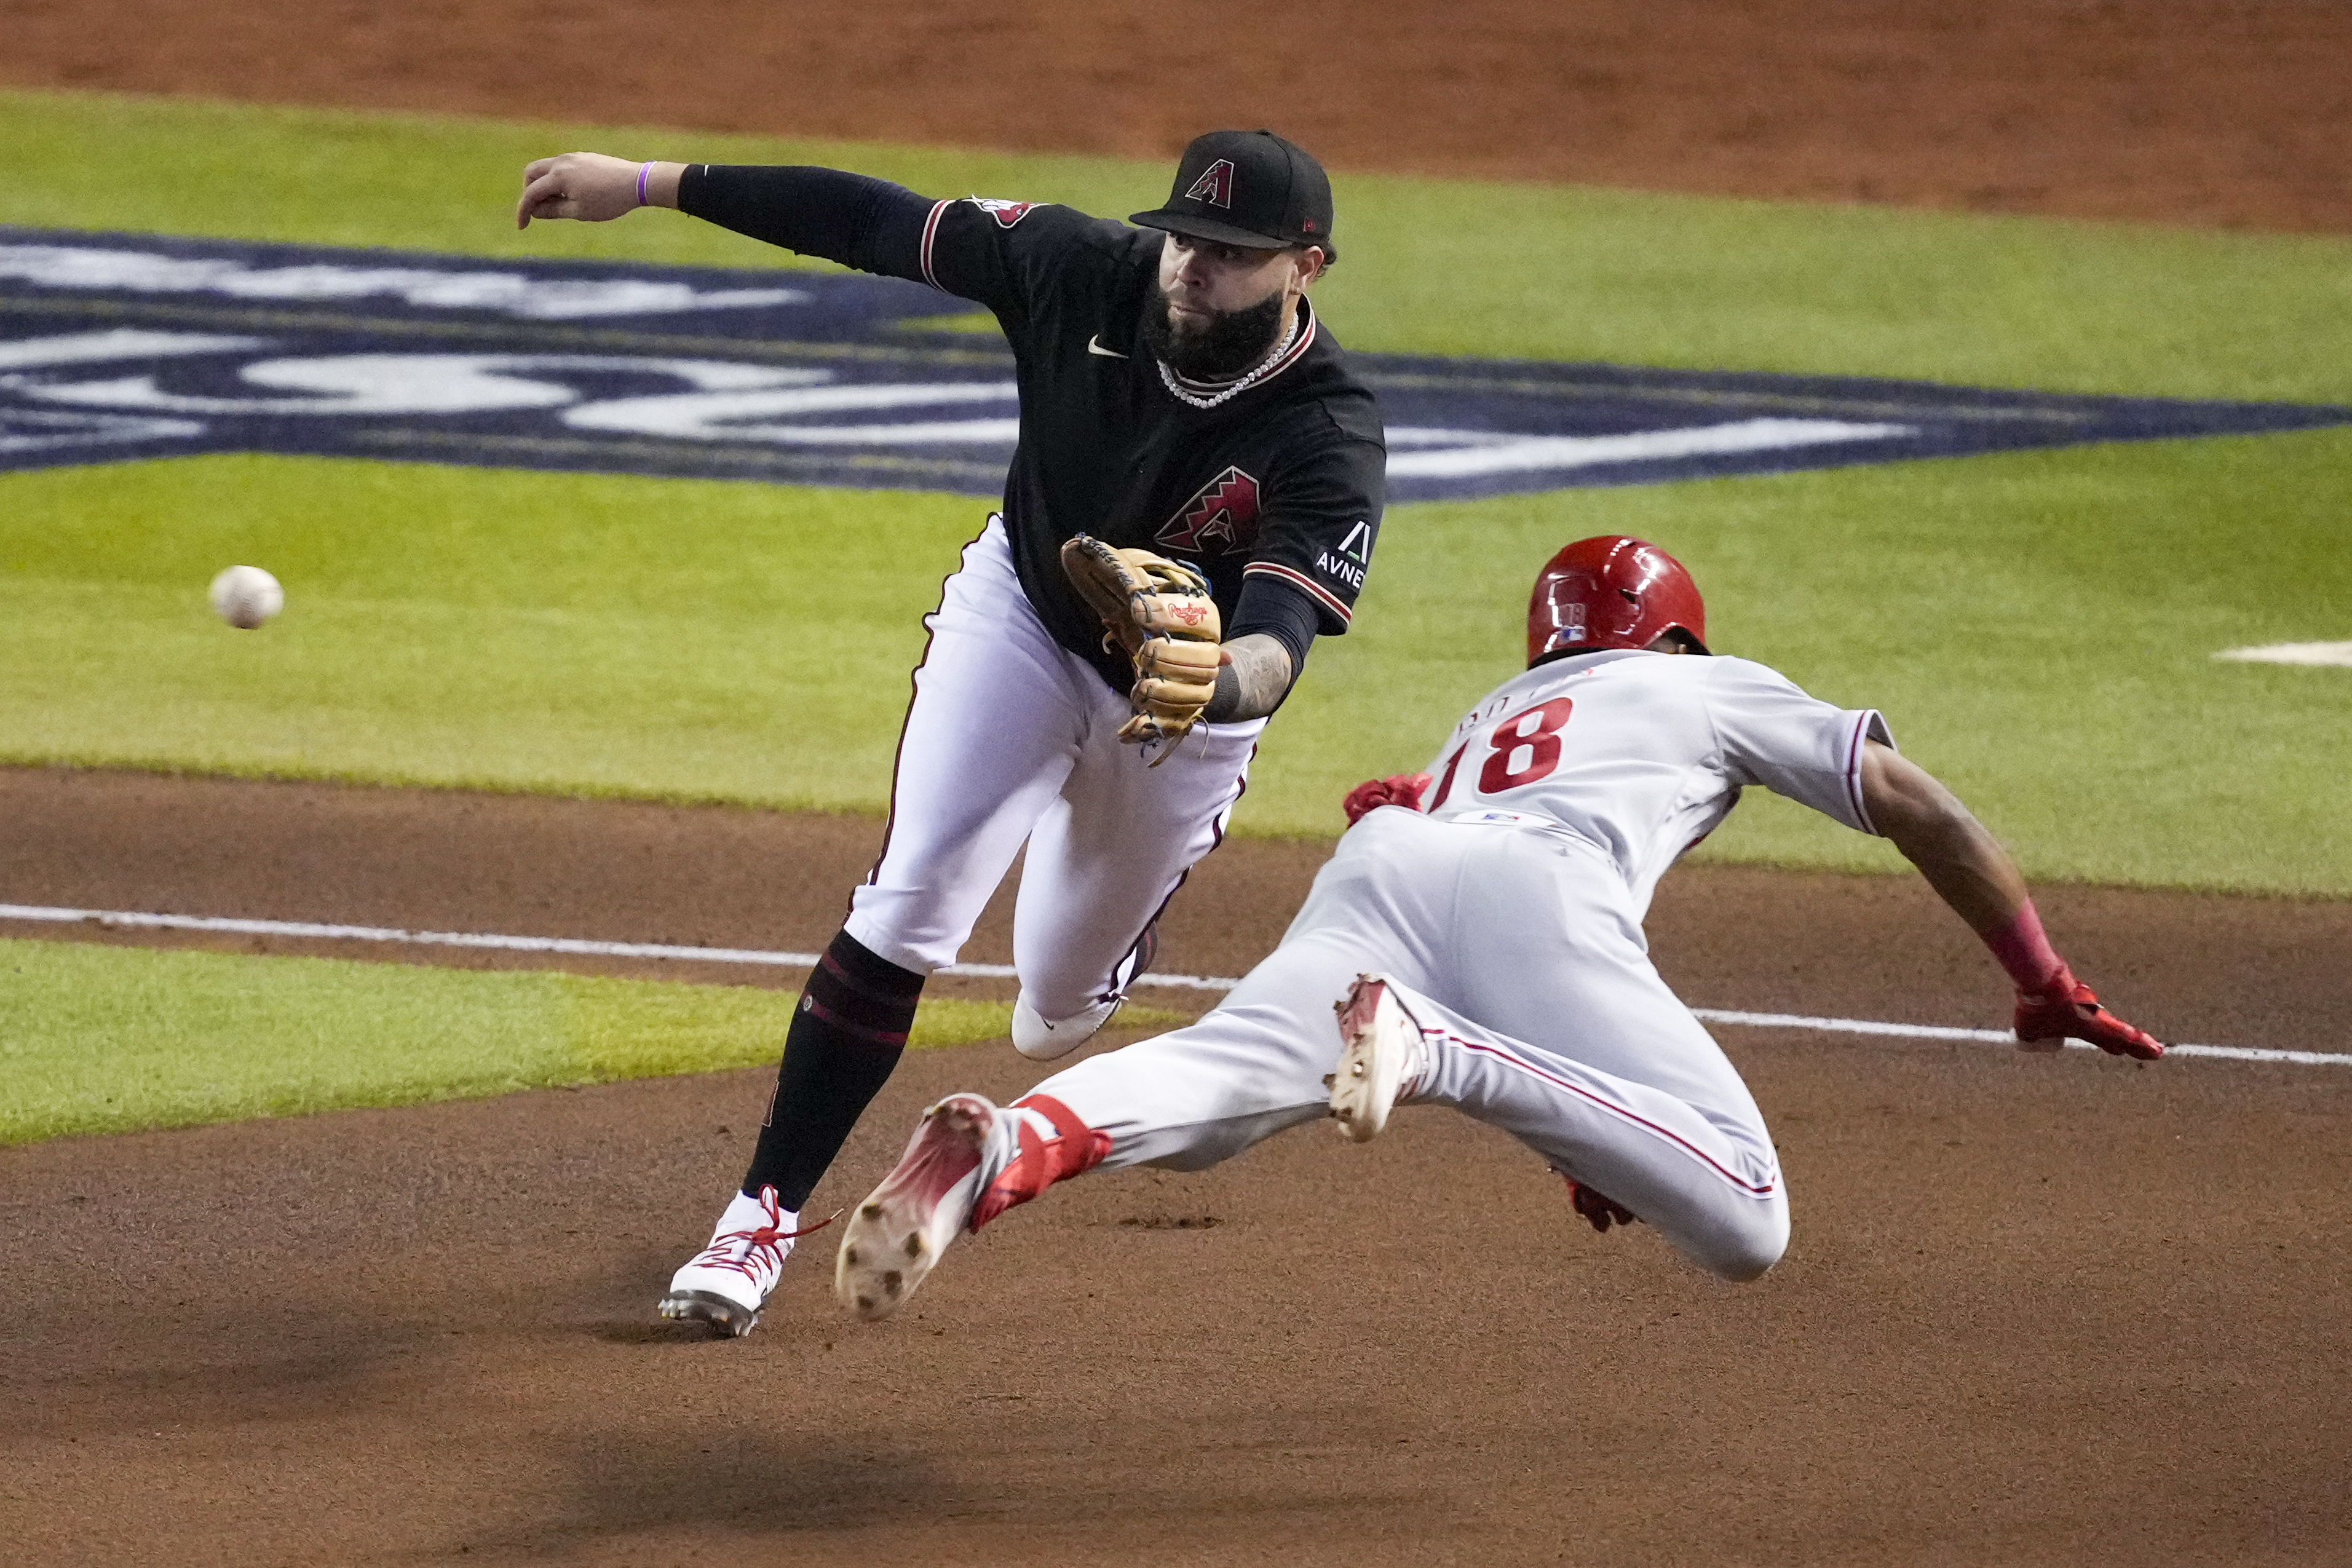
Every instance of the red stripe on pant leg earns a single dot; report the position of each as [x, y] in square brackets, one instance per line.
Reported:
[1750, 1188]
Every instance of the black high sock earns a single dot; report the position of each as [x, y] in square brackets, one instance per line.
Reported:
[846, 1037]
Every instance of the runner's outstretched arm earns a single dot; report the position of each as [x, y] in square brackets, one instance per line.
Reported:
[1971, 873]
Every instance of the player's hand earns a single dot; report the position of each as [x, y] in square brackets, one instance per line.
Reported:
[2066, 1008]
[586, 185]
[1397, 789]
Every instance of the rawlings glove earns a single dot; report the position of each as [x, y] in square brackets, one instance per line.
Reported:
[2065, 1007]
[1160, 614]
[1397, 789]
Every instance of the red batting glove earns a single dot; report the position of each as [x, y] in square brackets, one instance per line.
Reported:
[1397, 789]
[1599, 1212]
[2064, 1007]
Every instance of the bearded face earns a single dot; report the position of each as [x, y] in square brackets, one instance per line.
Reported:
[1208, 344]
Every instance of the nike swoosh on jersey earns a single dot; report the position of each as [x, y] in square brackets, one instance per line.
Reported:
[1094, 346]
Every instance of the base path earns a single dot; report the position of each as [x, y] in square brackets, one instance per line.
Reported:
[2037, 1310]
[2061, 1310]
[2264, 973]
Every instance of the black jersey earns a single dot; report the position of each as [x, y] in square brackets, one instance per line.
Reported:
[1283, 479]
[1279, 486]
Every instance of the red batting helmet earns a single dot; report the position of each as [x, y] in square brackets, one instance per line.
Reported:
[1612, 591]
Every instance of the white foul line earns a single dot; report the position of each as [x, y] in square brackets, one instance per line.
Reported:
[132, 921]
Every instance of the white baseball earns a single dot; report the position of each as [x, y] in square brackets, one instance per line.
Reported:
[245, 596]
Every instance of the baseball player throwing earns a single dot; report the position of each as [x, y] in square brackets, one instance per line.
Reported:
[1479, 933]
[1194, 499]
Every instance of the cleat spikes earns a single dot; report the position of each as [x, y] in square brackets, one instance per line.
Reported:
[895, 1237]
[1377, 1043]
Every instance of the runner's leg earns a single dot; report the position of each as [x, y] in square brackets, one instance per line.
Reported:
[1548, 1020]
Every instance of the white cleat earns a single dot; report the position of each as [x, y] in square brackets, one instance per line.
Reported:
[1040, 1041]
[896, 1235]
[1380, 1050]
[726, 1283]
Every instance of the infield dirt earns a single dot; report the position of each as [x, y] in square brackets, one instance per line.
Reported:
[2037, 1310]
[2222, 112]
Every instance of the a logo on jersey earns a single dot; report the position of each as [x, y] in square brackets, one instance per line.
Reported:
[1221, 519]
[1007, 213]
[1215, 185]
[1351, 572]
[1346, 562]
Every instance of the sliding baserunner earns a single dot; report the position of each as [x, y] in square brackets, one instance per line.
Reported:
[1479, 934]
[1179, 403]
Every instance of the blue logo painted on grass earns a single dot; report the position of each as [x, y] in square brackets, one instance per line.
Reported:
[121, 346]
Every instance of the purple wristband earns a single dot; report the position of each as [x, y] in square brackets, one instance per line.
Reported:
[641, 183]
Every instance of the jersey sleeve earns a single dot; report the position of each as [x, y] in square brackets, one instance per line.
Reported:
[1321, 517]
[854, 219]
[1008, 256]
[1771, 733]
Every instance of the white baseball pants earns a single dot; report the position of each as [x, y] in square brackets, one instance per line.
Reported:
[1515, 949]
[1013, 738]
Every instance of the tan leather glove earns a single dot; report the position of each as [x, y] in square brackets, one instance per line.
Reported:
[1160, 613]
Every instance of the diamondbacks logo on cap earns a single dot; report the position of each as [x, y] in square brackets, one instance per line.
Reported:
[1220, 519]
[1007, 213]
[1215, 185]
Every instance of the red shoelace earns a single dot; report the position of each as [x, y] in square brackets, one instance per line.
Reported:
[760, 1239]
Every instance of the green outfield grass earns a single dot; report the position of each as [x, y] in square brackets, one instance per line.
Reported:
[2037, 626]
[1430, 266]
[108, 1039]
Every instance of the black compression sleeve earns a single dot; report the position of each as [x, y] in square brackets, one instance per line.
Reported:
[868, 223]
[1270, 605]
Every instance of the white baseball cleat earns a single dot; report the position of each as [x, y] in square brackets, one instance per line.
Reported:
[1381, 1051]
[896, 1235]
[726, 1283]
[1040, 1041]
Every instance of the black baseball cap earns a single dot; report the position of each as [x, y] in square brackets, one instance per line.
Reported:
[1248, 188]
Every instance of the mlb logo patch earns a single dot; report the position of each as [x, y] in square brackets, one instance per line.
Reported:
[1007, 213]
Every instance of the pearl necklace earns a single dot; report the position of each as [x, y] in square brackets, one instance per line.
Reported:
[1256, 373]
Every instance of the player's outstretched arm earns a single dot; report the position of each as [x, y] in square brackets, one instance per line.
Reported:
[594, 187]
[1971, 873]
